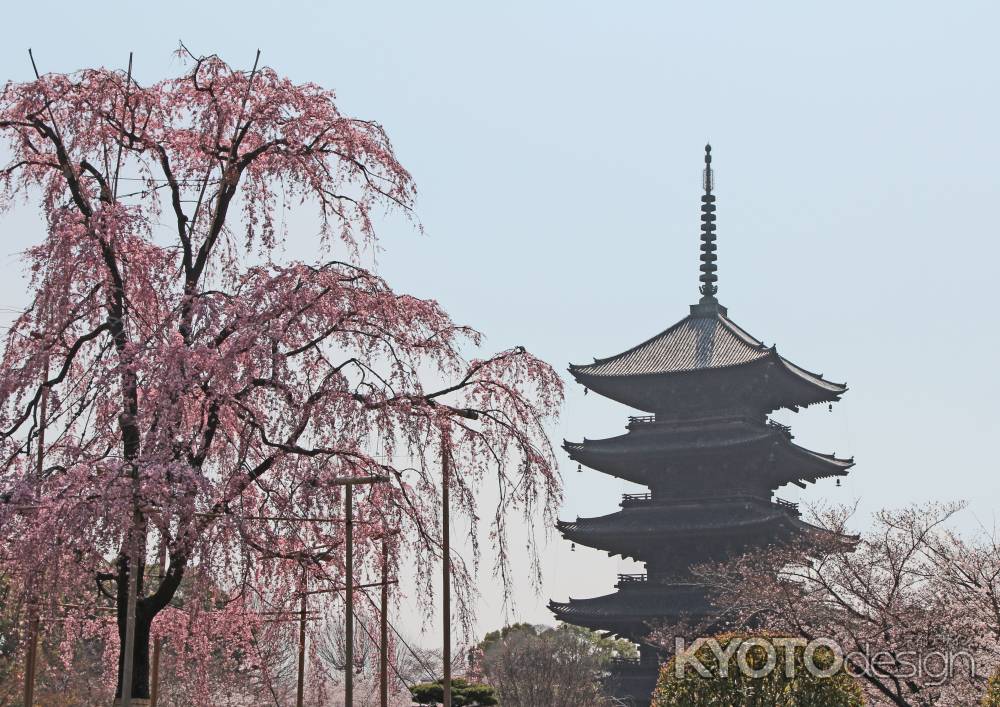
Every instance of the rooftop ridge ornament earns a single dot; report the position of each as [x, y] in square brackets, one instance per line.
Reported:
[708, 305]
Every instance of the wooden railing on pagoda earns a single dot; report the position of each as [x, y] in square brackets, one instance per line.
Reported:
[793, 507]
[641, 420]
[636, 499]
[638, 420]
[625, 665]
[632, 579]
[785, 429]
[644, 499]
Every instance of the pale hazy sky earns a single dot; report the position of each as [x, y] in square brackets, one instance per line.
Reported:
[557, 148]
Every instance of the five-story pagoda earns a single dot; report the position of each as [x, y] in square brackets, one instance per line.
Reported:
[706, 450]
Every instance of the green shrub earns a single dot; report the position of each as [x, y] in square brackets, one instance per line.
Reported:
[463, 693]
[779, 687]
[992, 696]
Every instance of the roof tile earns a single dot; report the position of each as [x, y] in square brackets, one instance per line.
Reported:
[693, 343]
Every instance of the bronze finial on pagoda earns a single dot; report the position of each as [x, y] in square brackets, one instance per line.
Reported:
[708, 268]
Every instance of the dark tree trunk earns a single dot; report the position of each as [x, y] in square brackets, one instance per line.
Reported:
[140, 655]
[146, 609]
[143, 622]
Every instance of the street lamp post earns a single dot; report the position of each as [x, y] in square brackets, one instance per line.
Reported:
[446, 574]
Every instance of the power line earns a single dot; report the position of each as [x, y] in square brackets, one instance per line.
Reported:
[430, 673]
[394, 668]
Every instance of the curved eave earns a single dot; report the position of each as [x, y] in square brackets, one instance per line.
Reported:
[633, 609]
[582, 531]
[809, 528]
[608, 534]
[612, 447]
[621, 624]
[832, 390]
[575, 611]
[845, 542]
[829, 464]
[630, 628]
[803, 388]
[816, 465]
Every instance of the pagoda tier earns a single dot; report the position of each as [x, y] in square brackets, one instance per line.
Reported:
[689, 457]
[674, 535]
[705, 363]
[638, 603]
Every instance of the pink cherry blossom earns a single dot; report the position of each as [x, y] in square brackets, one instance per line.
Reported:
[176, 368]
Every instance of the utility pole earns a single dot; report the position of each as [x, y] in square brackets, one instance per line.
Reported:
[30, 658]
[133, 590]
[31, 650]
[349, 598]
[154, 677]
[446, 573]
[383, 658]
[34, 624]
[349, 593]
[301, 688]
[304, 617]
[134, 547]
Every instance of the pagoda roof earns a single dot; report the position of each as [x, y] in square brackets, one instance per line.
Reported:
[681, 517]
[661, 370]
[704, 340]
[634, 606]
[627, 455]
[693, 343]
[628, 531]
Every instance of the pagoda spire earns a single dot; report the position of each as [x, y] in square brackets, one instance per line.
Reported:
[708, 277]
